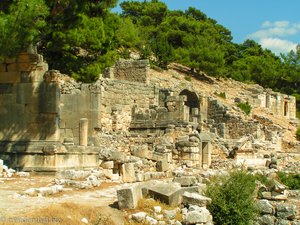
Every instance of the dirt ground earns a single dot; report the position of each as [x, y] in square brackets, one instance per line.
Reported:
[96, 205]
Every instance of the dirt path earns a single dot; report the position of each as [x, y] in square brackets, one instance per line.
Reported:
[13, 204]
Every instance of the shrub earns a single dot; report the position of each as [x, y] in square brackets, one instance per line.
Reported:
[221, 94]
[298, 134]
[245, 107]
[232, 199]
[187, 78]
[290, 180]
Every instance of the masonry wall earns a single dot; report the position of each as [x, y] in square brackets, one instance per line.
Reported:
[280, 104]
[227, 124]
[130, 70]
[29, 106]
[121, 99]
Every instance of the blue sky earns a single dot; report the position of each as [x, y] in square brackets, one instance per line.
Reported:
[275, 24]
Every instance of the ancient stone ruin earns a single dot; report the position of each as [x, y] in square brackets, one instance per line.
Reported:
[50, 122]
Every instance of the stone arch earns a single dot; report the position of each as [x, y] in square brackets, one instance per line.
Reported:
[192, 103]
[192, 98]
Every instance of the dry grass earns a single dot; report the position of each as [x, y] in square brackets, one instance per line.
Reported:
[67, 214]
[147, 205]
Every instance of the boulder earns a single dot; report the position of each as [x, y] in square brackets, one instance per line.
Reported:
[198, 217]
[286, 211]
[266, 220]
[265, 207]
[139, 217]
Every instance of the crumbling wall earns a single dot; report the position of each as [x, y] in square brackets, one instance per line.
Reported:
[277, 103]
[121, 99]
[228, 124]
[130, 70]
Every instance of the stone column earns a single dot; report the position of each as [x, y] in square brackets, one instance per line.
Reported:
[83, 131]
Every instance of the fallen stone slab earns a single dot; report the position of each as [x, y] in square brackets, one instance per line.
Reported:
[195, 199]
[185, 181]
[169, 193]
[166, 193]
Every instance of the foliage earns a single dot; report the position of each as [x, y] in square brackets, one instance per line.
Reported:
[232, 198]
[21, 22]
[290, 180]
[220, 94]
[245, 107]
[81, 38]
[298, 134]
[265, 180]
[188, 78]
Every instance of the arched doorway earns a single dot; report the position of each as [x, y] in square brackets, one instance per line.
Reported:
[193, 105]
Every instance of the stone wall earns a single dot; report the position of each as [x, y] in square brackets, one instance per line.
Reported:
[122, 100]
[277, 103]
[227, 123]
[29, 106]
[130, 70]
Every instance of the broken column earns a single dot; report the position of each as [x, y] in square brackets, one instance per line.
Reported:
[83, 132]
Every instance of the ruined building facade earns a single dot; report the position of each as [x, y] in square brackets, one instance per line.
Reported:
[50, 122]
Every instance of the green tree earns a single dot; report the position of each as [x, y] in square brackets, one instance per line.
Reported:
[21, 23]
[81, 37]
[233, 199]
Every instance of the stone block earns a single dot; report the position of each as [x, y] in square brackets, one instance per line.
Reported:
[286, 211]
[162, 166]
[107, 164]
[128, 198]
[140, 151]
[166, 193]
[128, 172]
[266, 219]
[195, 199]
[185, 181]
[10, 77]
[29, 58]
[201, 216]
[265, 207]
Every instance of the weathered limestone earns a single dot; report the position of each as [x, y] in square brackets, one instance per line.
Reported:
[128, 197]
[83, 129]
[195, 199]
[128, 172]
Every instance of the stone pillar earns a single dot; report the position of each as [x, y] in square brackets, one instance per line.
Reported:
[83, 131]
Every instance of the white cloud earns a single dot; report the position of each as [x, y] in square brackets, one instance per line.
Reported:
[272, 33]
[278, 45]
